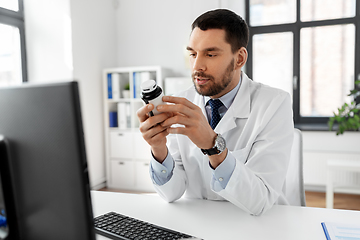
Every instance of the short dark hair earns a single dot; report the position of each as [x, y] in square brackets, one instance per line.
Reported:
[236, 29]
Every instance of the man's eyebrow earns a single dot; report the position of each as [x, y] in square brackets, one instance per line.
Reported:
[210, 49]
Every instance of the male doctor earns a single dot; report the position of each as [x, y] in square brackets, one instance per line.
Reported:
[226, 138]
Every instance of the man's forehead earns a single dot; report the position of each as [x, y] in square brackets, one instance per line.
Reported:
[208, 39]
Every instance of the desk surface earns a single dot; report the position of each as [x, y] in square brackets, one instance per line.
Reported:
[222, 220]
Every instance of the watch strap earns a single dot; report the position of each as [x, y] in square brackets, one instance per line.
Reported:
[211, 151]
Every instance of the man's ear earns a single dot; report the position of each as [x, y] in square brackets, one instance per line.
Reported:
[241, 58]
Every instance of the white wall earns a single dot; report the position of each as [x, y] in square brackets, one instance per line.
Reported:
[94, 48]
[156, 32]
[75, 40]
[48, 40]
[322, 146]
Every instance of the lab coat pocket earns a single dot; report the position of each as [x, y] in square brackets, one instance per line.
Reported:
[242, 155]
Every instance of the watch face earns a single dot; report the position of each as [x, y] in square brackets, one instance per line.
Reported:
[220, 143]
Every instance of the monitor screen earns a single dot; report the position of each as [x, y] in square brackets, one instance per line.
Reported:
[4, 231]
[45, 191]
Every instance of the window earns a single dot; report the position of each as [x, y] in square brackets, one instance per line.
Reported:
[12, 43]
[309, 48]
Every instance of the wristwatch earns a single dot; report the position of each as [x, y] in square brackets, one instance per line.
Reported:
[219, 147]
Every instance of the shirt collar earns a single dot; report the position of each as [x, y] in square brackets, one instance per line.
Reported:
[228, 98]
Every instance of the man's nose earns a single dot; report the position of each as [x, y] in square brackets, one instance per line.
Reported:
[199, 64]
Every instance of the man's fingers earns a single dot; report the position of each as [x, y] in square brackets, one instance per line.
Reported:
[154, 133]
[153, 121]
[179, 106]
[142, 113]
[179, 100]
[177, 119]
[157, 137]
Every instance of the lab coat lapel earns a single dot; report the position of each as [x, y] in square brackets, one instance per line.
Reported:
[240, 108]
[199, 100]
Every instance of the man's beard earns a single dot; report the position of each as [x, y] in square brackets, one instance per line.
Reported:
[215, 88]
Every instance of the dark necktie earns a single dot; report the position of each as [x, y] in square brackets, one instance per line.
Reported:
[215, 116]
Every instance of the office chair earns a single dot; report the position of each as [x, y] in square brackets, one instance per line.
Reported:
[295, 192]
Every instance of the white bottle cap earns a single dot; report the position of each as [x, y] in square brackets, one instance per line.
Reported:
[148, 86]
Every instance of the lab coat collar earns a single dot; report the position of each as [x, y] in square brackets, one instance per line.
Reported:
[240, 108]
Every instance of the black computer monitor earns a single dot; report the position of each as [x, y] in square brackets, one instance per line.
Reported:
[43, 168]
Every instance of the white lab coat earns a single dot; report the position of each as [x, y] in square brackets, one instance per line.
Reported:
[258, 128]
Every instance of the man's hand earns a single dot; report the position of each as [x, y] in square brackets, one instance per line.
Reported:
[188, 114]
[153, 132]
[196, 126]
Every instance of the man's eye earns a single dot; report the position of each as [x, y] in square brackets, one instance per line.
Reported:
[211, 55]
[192, 55]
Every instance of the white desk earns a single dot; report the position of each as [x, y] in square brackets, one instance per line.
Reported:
[222, 220]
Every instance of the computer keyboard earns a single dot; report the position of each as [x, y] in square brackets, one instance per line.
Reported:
[117, 226]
